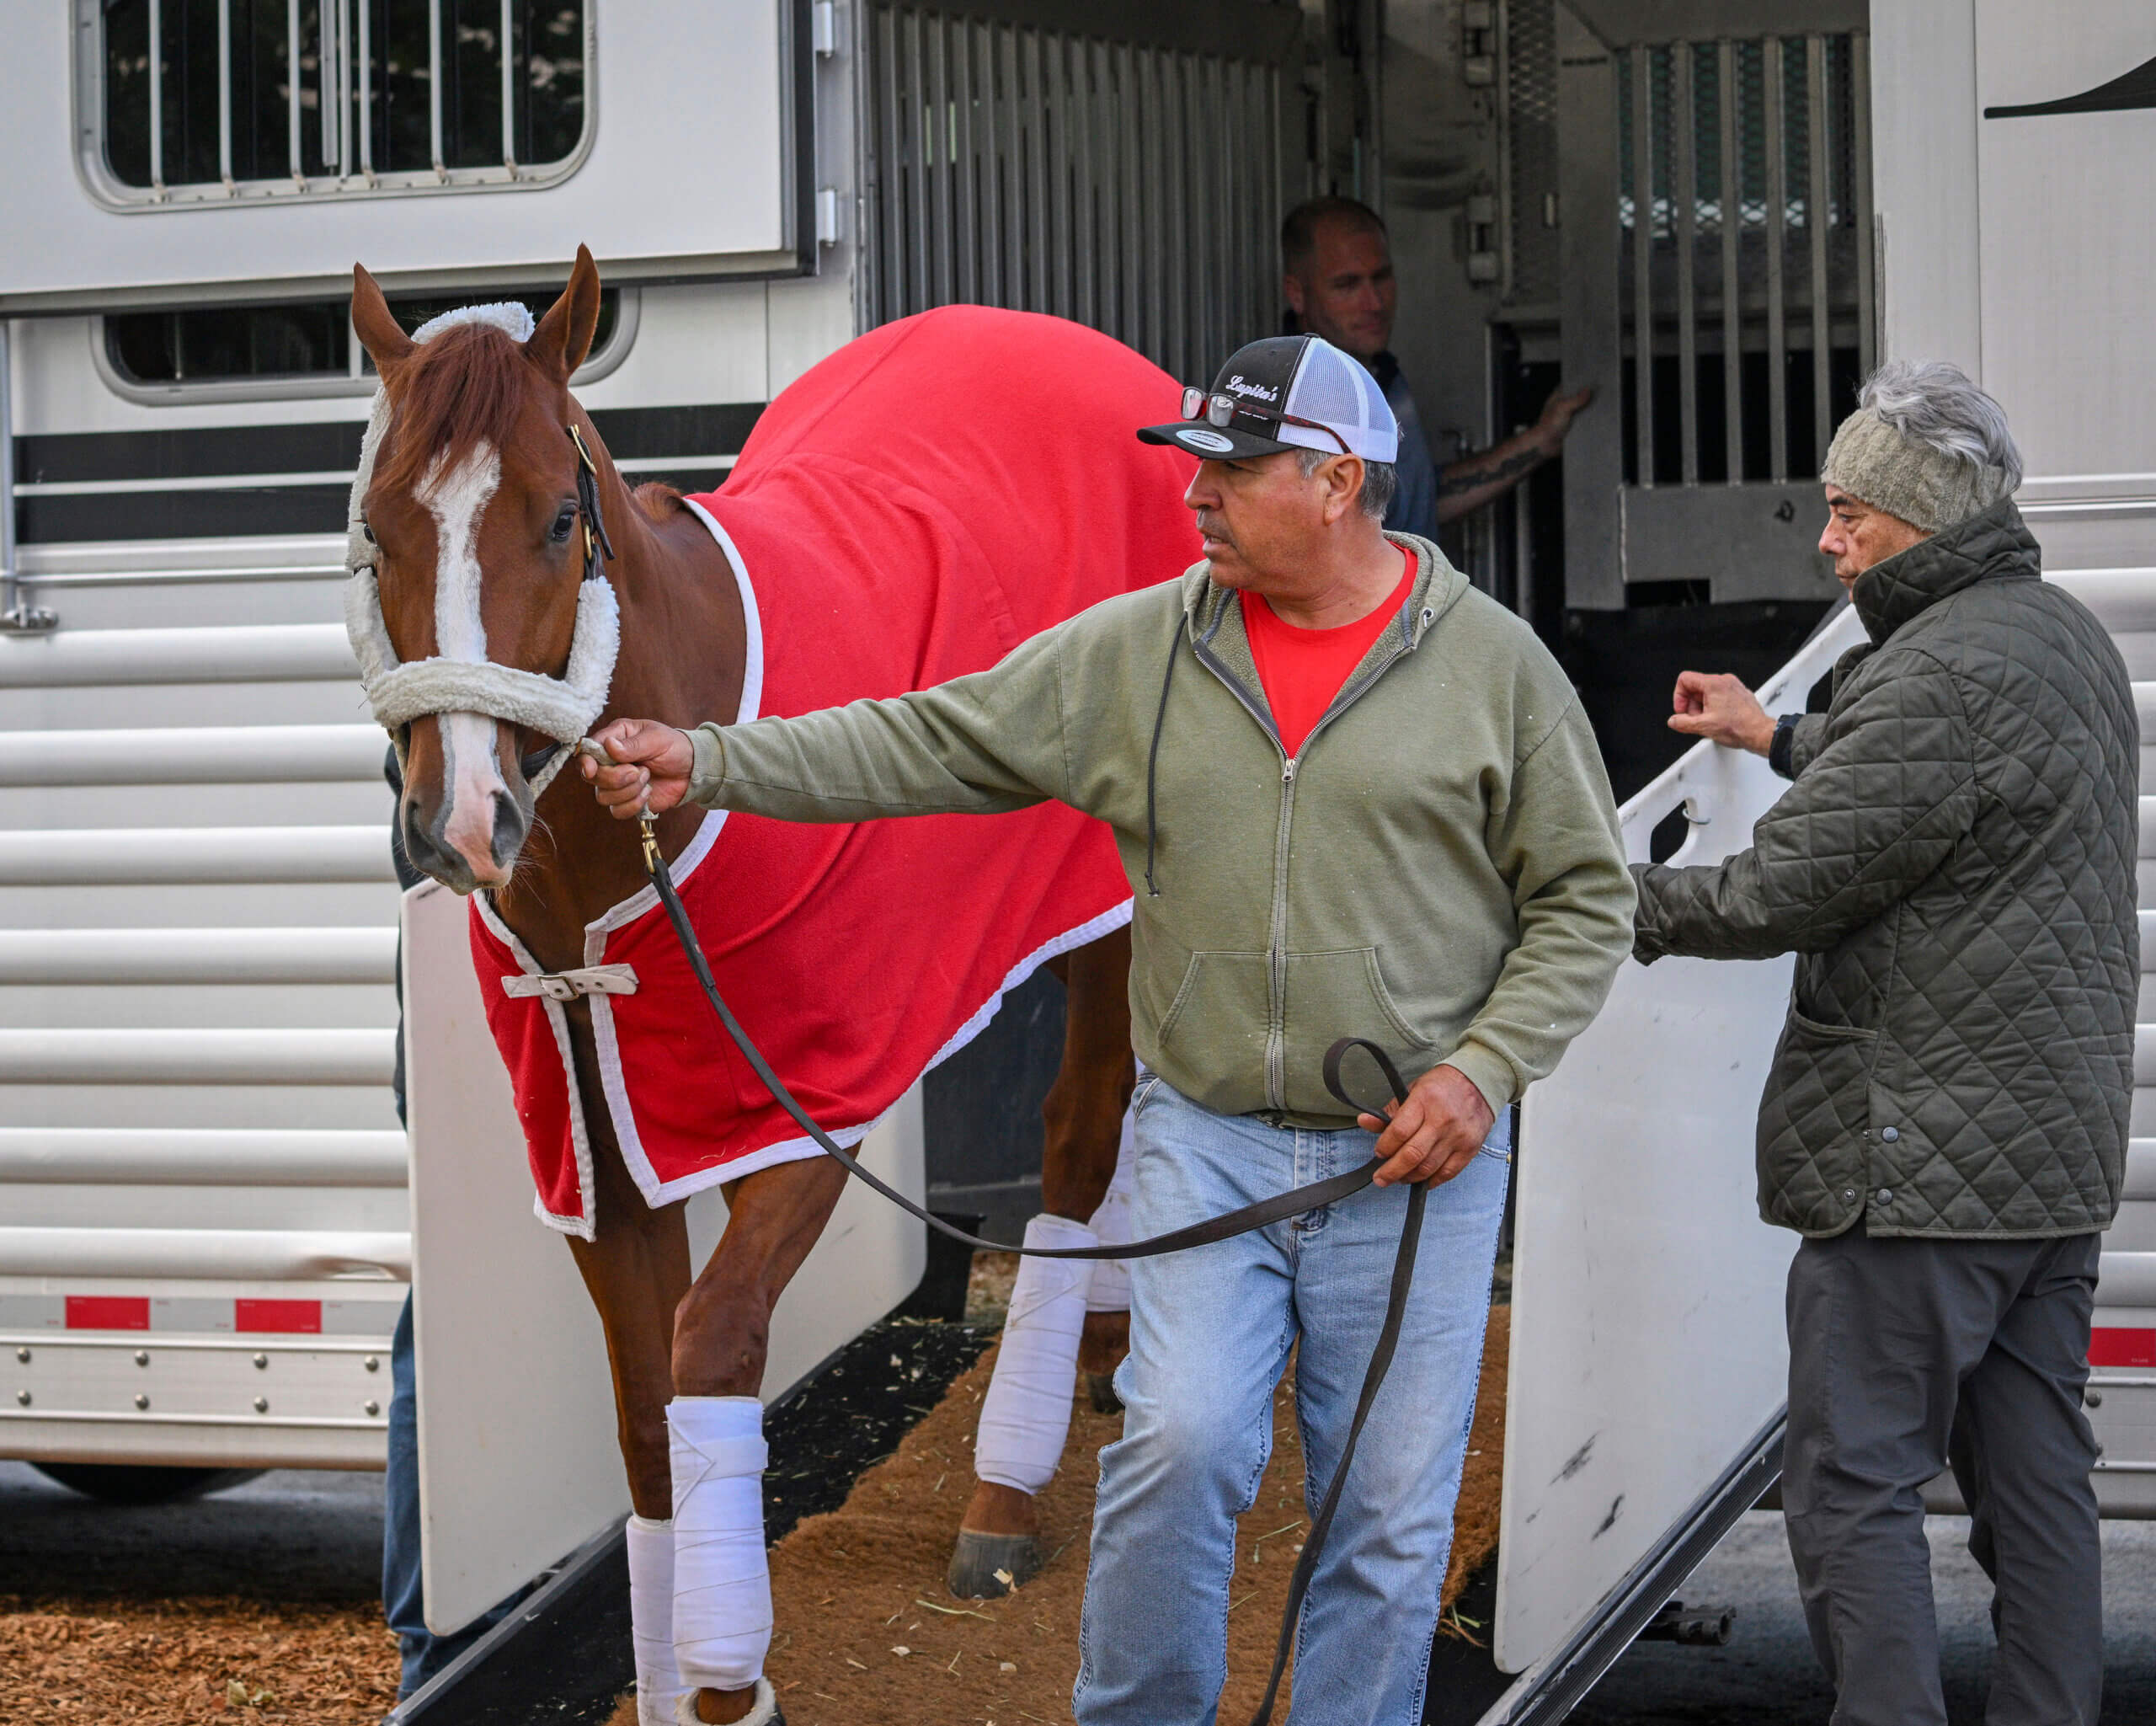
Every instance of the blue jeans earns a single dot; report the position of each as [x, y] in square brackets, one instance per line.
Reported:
[423, 1653]
[1210, 1330]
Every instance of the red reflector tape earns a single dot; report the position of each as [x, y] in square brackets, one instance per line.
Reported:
[2109, 1345]
[287, 1317]
[108, 1312]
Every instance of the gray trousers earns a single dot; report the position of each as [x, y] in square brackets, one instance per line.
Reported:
[1907, 1356]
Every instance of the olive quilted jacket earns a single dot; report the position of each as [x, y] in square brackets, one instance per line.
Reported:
[1954, 868]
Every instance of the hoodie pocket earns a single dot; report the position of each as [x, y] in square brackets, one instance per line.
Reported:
[1343, 994]
[1215, 1029]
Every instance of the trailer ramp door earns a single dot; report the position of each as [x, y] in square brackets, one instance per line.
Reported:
[1647, 1353]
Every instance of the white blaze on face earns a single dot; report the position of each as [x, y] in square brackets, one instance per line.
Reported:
[470, 769]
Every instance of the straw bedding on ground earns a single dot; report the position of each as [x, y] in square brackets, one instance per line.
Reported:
[184, 1660]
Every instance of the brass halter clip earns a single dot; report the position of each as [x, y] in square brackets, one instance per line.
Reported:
[646, 822]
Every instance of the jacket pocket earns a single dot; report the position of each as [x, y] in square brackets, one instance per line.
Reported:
[1812, 1168]
[1340, 994]
[1212, 1038]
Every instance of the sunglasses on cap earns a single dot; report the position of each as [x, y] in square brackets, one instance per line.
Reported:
[1218, 410]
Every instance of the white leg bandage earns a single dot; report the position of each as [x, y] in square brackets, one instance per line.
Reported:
[651, 1619]
[1026, 1415]
[1110, 1290]
[721, 1584]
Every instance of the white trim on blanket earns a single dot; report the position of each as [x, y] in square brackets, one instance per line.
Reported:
[1114, 917]
[752, 621]
[585, 1226]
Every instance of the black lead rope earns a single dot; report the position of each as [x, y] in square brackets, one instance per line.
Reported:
[1312, 1197]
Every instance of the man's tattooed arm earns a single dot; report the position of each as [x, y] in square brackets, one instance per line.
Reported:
[1476, 472]
[1476, 480]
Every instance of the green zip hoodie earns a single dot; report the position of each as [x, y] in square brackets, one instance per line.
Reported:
[1439, 870]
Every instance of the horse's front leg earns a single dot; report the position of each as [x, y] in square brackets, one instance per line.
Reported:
[636, 1271]
[1025, 1417]
[722, 1339]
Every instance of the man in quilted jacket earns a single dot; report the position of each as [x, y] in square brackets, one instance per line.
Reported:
[1945, 1119]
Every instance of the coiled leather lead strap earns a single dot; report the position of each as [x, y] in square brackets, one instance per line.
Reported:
[1316, 1194]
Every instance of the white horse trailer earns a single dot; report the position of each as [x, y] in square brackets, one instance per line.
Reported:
[199, 1137]
[205, 1231]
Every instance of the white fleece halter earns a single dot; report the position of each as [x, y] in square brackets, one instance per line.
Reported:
[560, 708]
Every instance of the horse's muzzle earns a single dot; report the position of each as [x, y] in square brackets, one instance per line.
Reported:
[433, 855]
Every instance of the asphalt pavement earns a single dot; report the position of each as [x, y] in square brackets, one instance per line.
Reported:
[292, 1535]
[1767, 1675]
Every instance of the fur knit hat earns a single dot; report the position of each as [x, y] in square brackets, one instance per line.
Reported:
[1927, 445]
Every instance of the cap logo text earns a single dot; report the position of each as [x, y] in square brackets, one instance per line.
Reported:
[1263, 392]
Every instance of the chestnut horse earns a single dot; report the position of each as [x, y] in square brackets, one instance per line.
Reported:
[554, 862]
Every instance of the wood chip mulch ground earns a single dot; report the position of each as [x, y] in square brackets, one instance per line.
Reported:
[155, 1662]
[868, 1636]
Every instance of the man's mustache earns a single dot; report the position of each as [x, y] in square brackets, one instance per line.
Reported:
[1210, 525]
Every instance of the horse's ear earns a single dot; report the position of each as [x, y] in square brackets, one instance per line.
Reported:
[376, 326]
[564, 338]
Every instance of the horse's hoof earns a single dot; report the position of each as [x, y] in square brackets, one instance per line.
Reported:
[1101, 1386]
[984, 1566]
[765, 1713]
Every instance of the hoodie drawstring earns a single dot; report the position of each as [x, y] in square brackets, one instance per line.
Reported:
[1153, 765]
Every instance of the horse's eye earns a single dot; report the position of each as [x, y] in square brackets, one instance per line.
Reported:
[367, 528]
[564, 524]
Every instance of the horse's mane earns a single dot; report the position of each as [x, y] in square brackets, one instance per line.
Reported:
[450, 394]
[658, 500]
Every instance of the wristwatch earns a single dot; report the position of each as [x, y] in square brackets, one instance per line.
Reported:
[1778, 751]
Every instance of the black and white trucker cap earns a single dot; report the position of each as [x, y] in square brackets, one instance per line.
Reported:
[1285, 393]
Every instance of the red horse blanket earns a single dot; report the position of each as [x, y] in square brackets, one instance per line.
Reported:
[909, 511]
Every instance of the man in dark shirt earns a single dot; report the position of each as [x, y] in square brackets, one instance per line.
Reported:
[1337, 273]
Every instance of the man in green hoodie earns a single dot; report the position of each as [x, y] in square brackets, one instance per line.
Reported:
[1354, 797]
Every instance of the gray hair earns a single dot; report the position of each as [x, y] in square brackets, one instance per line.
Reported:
[1933, 403]
[1380, 479]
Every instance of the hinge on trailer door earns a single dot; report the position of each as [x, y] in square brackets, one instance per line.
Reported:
[17, 616]
[823, 28]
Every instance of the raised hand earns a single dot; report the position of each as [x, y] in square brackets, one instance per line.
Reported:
[1718, 707]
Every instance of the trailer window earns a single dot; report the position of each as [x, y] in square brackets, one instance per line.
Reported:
[205, 101]
[309, 339]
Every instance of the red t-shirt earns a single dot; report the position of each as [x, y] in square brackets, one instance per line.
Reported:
[1302, 669]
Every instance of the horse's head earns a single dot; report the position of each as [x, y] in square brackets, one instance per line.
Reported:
[474, 522]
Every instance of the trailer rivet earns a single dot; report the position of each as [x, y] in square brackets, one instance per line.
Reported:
[142, 1402]
[23, 1355]
[24, 1398]
[262, 1405]
[262, 1360]
[373, 1364]
[372, 1408]
[141, 1357]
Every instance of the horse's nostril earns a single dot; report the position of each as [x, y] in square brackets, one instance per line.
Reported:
[510, 823]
